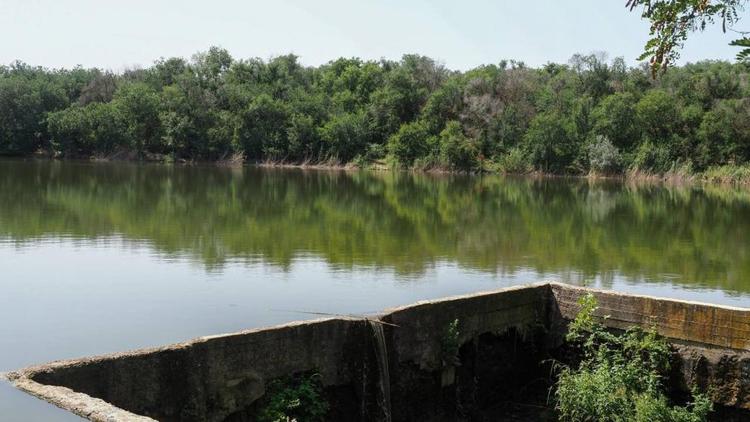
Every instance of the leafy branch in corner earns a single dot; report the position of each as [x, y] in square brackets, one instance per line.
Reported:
[673, 20]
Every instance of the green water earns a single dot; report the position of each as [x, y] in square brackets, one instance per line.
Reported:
[407, 223]
[101, 257]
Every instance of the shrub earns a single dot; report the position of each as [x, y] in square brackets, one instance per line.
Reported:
[450, 343]
[373, 153]
[262, 129]
[409, 143]
[91, 129]
[294, 399]
[657, 113]
[304, 142]
[549, 144]
[345, 135]
[650, 157]
[724, 134]
[603, 156]
[514, 162]
[139, 106]
[21, 108]
[620, 376]
[456, 150]
[615, 118]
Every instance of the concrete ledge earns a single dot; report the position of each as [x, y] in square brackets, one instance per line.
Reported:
[712, 342]
[421, 326]
[206, 378]
[692, 322]
[81, 404]
[212, 378]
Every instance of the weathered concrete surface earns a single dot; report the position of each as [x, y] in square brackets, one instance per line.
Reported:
[81, 404]
[708, 325]
[204, 379]
[424, 386]
[213, 378]
[421, 326]
[712, 343]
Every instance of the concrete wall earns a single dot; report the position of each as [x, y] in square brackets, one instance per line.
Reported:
[421, 326]
[706, 325]
[211, 378]
[205, 379]
[712, 342]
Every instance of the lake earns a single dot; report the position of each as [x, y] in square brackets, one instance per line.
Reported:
[104, 257]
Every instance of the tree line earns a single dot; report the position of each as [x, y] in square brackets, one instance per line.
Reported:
[590, 115]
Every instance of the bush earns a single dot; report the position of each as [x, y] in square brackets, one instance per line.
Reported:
[548, 143]
[652, 158]
[97, 128]
[373, 153]
[19, 117]
[615, 118]
[304, 142]
[514, 162]
[724, 134]
[345, 135]
[294, 399]
[139, 106]
[657, 113]
[456, 150]
[620, 376]
[450, 343]
[604, 157]
[262, 129]
[409, 143]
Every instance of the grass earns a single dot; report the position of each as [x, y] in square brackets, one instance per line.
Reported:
[728, 174]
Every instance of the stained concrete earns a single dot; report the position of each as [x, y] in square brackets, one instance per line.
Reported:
[712, 343]
[502, 334]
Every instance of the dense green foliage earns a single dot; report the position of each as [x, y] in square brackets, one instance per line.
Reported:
[620, 378]
[587, 115]
[294, 399]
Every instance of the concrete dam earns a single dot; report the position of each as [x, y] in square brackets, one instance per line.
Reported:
[392, 366]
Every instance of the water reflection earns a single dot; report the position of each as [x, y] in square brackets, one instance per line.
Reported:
[104, 257]
[401, 222]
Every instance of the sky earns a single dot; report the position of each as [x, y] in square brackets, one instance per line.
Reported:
[119, 35]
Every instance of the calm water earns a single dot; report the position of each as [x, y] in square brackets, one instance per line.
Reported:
[100, 258]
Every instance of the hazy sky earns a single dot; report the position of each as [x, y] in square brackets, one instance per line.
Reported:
[462, 34]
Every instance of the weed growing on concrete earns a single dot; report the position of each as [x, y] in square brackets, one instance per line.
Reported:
[450, 343]
[620, 377]
[295, 399]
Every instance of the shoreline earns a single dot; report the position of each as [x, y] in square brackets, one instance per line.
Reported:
[727, 175]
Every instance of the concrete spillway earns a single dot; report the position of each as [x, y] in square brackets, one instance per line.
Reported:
[503, 335]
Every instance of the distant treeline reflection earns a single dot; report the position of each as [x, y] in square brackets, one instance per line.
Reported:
[403, 222]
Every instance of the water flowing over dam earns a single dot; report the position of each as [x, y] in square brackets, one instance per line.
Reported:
[396, 370]
[381, 352]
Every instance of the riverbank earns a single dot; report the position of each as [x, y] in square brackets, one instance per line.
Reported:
[726, 175]
[413, 113]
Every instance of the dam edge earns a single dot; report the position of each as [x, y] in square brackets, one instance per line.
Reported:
[223, 374]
